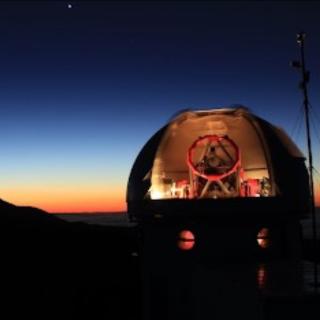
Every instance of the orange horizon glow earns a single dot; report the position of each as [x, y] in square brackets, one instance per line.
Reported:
[68, 199]
[317, 194]
[77, 203]
[76, 198]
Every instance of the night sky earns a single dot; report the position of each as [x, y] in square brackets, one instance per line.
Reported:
[83, 85]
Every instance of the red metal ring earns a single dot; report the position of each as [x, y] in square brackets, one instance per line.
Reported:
[213, 177]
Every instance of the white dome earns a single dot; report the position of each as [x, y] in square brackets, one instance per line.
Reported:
[218, 154]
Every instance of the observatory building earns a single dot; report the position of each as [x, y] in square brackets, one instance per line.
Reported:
[210, 161]
[218, 196]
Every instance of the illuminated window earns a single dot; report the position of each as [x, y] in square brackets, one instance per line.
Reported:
[263, 238]
[186, 240]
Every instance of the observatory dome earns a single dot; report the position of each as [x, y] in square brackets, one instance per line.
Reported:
[218, 160]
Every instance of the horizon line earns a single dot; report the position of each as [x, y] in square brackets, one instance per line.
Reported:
[89, 212]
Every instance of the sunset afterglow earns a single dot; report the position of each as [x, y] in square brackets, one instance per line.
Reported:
[84, 88]
[70, 198]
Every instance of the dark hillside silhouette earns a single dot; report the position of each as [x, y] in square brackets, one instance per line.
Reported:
[52, 269]
[27, 217]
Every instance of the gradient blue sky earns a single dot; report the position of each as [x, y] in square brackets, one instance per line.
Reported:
[82, 89]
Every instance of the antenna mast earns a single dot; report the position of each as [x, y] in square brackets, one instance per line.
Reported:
[303, 86]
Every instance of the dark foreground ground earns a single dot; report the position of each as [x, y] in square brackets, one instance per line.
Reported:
[53, 269]
[70, 274]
